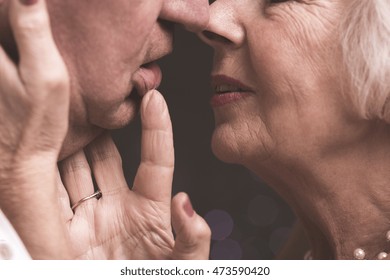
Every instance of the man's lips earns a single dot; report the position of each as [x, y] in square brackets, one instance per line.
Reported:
[147, 77]
[227, 90]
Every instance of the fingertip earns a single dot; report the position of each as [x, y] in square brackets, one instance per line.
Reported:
[153, 103]
[186, 221]
[183, 201]
[188, 209]
[26, 6]
[193, 234]
[154, 112]
[182, 205]
[32, 31]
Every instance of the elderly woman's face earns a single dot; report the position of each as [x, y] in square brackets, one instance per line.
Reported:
[277, 78]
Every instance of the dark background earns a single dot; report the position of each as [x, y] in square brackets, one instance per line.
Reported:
[247, 218]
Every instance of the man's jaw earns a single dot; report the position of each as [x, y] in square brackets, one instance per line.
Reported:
[77, 139]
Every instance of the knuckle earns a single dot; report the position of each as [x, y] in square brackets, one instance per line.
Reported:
[70, 166]
[55, 81]
[33, 23]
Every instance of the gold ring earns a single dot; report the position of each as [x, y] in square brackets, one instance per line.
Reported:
[97, 194]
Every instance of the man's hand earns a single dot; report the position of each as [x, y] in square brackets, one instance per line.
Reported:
[132, 223]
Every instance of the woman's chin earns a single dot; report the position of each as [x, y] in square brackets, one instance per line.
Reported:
[225, 148]
[239, 146]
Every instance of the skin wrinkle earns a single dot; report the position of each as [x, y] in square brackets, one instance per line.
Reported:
[96, 157]
[74, 167]
[267, 134]
[317, 18]
[302, 180]
[149, 164]
[254, 136]
[112, 191]
[86, 221]
[156, 239]
[148, 236]
[106, 240]
[342, 243]
[121, 240]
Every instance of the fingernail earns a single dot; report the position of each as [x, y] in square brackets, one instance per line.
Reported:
[28, 2]
[156, 103]
[188, 208]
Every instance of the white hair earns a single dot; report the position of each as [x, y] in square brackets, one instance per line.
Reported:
[366, 50]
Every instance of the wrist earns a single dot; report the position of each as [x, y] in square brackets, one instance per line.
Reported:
[23, 169]
[28, 183]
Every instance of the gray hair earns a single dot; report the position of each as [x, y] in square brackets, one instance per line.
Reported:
[366, 50]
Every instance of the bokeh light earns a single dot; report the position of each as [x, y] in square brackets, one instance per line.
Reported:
[227, 249]
[221, 224]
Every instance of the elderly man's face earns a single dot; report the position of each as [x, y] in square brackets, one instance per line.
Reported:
[109, 47]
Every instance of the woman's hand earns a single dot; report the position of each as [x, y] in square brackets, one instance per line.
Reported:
[132, 223]
[34, 105]
[124, 223]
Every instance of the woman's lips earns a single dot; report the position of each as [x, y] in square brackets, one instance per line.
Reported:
[147, 77]
[227, 90]
[218, 100]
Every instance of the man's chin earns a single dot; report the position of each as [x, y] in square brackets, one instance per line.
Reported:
[77, 139]
[119, 117]
[79, 136]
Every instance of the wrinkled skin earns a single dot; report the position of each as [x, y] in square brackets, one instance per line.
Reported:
[136, 223]
[35, 94]
[270, 47]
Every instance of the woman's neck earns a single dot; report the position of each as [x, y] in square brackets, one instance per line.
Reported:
[342, 199]
[353, 212]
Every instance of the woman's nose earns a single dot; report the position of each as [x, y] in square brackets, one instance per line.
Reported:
[224, 26]
[192, 14]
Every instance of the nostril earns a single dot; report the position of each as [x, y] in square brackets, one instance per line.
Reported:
[215, 37]
[209, 35]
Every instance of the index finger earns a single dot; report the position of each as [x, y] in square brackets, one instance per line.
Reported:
[155, 173]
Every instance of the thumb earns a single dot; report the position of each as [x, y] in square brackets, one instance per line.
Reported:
[192, 232]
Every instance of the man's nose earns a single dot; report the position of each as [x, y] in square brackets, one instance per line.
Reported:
[192, 14]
